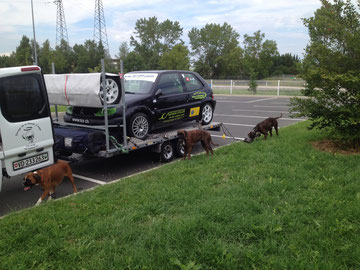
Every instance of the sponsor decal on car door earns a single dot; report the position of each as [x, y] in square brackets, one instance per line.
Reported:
[195, 92]
[172, 103]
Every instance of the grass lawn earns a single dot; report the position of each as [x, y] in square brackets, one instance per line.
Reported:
[60, 108]
[275, 204]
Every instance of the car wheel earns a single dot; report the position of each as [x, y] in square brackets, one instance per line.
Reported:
[112, 92]
[167, 152]
[207, 114]
[180, 148]
[139, 126]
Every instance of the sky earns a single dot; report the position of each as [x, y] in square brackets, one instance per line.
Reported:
[279, 20]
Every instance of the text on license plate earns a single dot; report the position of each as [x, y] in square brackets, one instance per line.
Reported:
[27, 162]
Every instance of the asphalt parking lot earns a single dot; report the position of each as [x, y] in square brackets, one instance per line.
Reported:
[239, 114]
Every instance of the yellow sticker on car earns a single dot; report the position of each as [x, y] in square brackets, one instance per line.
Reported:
[194, 111]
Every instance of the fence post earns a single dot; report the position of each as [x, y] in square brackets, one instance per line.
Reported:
[211, 83]
[231, 82]
[278, 89]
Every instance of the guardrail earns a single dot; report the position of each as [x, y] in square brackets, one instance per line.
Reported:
[264, 87]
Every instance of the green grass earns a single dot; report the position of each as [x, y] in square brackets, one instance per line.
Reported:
[275, 204]
[60, 108]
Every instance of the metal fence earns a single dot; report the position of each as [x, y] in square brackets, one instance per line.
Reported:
[287, 87]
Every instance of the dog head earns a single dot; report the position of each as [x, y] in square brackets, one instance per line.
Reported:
[182, 134]
[252, 134]
[31, 179]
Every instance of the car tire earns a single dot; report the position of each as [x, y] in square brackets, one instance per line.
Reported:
[179, 148]
[112, 92]
[139, 126]
[207, 114]
[167, 152]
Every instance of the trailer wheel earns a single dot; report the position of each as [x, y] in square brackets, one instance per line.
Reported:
[167, 152]
[180, 148]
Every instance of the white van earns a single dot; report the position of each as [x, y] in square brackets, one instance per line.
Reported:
[26, 133]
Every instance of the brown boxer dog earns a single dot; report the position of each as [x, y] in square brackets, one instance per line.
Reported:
[191, 137]
[48, 178]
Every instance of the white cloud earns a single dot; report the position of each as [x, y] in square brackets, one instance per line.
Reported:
[278, 19]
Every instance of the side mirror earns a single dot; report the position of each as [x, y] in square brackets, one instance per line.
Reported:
[158, 92]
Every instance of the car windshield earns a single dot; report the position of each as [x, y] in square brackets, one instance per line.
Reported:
[139, 83]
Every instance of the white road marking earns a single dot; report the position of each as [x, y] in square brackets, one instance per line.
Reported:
[238, 110]
[89, 179]
[261, 117]
[258, 100]
[228, 137]
[242, 125]
[263, 106]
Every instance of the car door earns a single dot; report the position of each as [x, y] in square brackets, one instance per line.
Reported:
[171, 99]
[25, 121]
[196, 93]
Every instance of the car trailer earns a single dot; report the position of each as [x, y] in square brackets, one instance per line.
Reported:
[102, 144]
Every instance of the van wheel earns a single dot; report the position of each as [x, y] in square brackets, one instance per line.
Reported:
[180, 148]
[167, 152]
[139, 126]
[207, 114]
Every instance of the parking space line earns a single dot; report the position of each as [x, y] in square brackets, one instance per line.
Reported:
[264, 106]
[238, 110]
[227, 137]
[263, 99]
[241, 125]
[261, 117]
[89, 179]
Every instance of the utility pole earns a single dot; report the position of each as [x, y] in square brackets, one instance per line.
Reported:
[61, 30]
[33, 23]
[100, 35]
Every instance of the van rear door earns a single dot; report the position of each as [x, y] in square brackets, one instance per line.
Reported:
[25, 120]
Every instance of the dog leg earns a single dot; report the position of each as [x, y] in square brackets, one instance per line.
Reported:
[206, 147]
[39, 202]
[42, 197]
[265, 135]
[189, 151]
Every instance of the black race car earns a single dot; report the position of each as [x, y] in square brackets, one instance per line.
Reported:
[154, 99]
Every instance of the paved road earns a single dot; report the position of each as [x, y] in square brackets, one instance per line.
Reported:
[239, 114]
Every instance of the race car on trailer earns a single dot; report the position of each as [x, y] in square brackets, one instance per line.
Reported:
[153, 103]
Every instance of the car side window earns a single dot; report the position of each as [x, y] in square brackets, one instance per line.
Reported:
[191, 82]
[170, 84]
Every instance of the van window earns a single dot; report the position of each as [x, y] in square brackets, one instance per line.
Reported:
[23, 98]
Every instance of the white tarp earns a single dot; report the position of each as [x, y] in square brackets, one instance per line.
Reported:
[74, 89]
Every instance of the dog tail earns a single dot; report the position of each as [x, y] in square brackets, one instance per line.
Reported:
[213, 143]
[279, 116]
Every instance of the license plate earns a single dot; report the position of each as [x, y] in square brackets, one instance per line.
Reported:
[30, 161]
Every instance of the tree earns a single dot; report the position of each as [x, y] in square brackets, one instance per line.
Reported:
[287, 64]
[252, 82]
[24, 53]
[259, 54]
[46, 57]
[124, 51]
[153, 39]
[331, 68]
[176, 59]
[209, 45]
